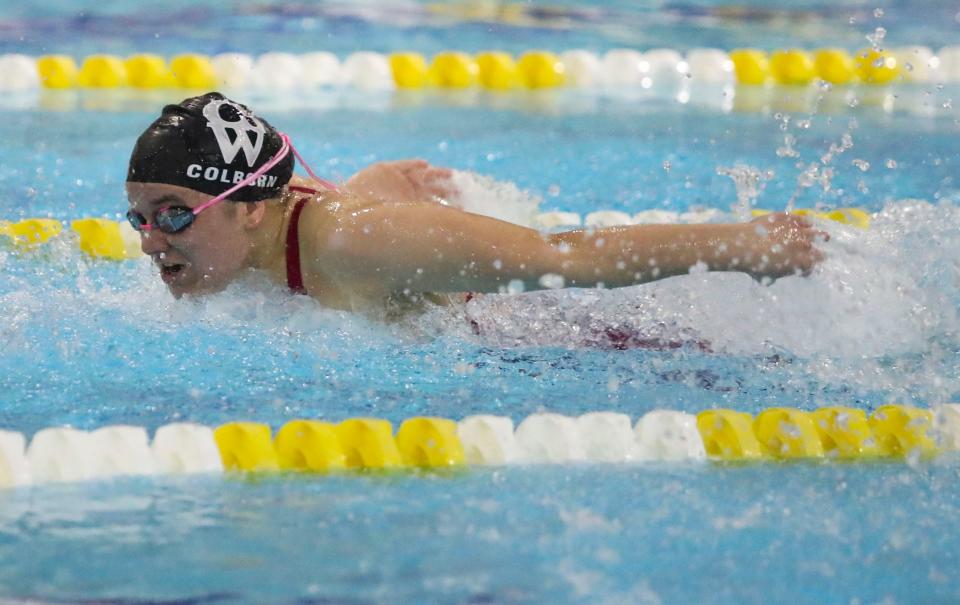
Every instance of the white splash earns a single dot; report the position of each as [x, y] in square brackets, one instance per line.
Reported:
[503, 200]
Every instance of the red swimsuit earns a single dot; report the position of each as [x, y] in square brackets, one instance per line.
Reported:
[294, 275]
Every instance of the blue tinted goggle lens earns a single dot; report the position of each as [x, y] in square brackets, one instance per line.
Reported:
[168, 220]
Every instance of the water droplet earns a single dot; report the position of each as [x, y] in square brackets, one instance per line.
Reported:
[551, 281]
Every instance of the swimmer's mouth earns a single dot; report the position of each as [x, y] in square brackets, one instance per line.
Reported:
[170, 270]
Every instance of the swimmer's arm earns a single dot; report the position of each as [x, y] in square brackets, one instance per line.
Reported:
[423, 247]
[771, 246]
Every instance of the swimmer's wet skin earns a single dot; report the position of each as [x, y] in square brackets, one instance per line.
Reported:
[384, 234]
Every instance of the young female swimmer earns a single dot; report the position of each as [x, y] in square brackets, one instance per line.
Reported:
[383, 236]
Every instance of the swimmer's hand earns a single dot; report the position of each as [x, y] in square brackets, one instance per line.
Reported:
[779, 244]
[403, 181]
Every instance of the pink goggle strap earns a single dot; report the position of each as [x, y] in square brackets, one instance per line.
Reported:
[284, 150]
[306, 166]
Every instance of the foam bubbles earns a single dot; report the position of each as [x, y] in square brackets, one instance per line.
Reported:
[503, 200]
[887, 293]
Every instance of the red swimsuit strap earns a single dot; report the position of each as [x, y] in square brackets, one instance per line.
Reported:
[294, 276]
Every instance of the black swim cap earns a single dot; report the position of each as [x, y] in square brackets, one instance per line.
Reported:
[210, 143]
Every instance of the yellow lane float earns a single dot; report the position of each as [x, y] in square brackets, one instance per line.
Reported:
[193, 71]
[148, 71]
[541, 69]
[903, 431]
[854, 217]
[102, 71]
[792, 67]
[309, 445]
[728, 435]
[497, 70]
[845, 432]
[787, 433]
[877, 67]
[751, 66]
[835, 66]
[430, 442]
[409, 70]
[31, 232]
[246, 446]
[369, 443]
[103, 238]
[454, 70]
[57, 71]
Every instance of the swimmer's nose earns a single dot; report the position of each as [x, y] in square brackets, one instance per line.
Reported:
[153, 242]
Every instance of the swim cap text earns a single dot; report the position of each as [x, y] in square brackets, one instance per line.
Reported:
[230, 177]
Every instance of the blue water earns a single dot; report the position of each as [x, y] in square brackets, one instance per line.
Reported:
[257, 26]
[592, 534]
[91, 343]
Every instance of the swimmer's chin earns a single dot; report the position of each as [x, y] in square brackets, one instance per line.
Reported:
[206, 287]
[194, 290]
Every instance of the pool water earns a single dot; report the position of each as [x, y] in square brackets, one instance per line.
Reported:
[91, 343]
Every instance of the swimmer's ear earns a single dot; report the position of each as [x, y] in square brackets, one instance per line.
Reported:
[254, 213]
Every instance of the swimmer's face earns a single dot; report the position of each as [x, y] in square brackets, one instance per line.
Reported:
[205, 256]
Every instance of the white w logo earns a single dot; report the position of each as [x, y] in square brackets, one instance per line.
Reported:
[246, 124]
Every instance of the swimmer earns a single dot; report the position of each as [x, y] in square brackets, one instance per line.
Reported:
[387, 234]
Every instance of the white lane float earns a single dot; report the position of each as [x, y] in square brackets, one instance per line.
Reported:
[668, 435]
[14, 467]
[550, 439]
[185, 447]
[582, 68]
[61, 454]
[488, 440]
[233, 70]
[709, 66]
[368, 71]
[277, 71]
[121, 450]
[607, 437]
[321, 69]
[18, 73]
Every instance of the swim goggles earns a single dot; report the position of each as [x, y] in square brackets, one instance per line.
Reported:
[174, 219]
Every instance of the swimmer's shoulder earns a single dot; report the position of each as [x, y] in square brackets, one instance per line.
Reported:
[315, 232]
[323, 226]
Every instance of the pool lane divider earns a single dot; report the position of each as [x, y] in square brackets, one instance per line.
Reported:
[494, 70]
[836, 434]
[111, 240]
